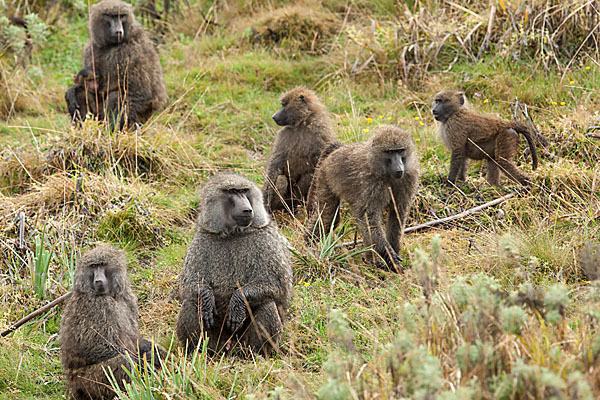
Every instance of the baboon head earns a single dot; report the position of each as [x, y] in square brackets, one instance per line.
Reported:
[392, 152]
[230, 203]
[297, 106]
[101, 271]
[446, 103]
[110, 22]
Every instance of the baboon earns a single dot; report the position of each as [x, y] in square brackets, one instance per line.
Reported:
[373, 177]
[119, 52]
[307, 129]
[83, 96]
[236, 280]
[99, 327]
[469, 134]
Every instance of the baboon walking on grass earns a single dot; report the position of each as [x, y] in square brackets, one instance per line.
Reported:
[373, 177]
[120, 54]
[99, 327]
[469, 134]
[307, 130]
[236, 280]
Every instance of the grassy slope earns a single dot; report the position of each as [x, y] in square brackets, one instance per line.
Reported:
[223, 92]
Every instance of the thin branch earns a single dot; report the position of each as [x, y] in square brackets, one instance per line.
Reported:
[34, 314]
[447, 219]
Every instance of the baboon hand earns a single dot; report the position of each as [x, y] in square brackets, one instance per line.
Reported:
[208, 308]
[237, 311]
[391, 258]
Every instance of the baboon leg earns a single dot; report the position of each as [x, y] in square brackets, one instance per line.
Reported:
[394, 230]
[326, 209]
[303, 185]
[457, 161]
[264, 332]
[493, 173]
[281, 192]
[462, 172]
[506, 149]
[115, 110]
[371, 226]
[189, 325]
[90, 382]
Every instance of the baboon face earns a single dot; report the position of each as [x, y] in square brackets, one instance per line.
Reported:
[296, 106]
[446, 103]
[236, 207]
[393, 151]
[230, 203]
[101, 271]
[111, 27]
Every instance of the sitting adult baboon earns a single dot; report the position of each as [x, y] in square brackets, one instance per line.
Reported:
[236, 280]
[99, 327]
[124, 59]
[307, 129]
[468, 134]
[373, 177]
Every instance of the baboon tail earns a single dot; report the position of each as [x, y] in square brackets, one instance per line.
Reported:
[330, 148]
[522, 129]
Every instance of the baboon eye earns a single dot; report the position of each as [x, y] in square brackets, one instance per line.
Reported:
[303, 98]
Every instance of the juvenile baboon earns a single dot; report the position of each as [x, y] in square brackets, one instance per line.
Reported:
[236, 280]
[99, 327]
[373, 177]
[469, 134]
[120, 53]
[307, 129]
[83, 96]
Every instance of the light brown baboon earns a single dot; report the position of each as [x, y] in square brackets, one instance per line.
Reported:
[99, 327]
[307, 129]
[373, 177]
[469, 134]
[236, 280]
[120, 53]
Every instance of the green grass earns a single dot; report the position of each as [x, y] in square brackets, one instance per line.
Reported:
[495, 307]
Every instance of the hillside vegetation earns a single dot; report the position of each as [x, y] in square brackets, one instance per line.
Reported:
[502, 304]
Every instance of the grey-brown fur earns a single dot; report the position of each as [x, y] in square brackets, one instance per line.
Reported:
[132, 84]
[101, 330]
[307, 129]
[228, 266]
[359, 175]
[83, 96]
[470, 135]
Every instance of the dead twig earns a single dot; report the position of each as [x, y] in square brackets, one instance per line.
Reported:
[34, 314]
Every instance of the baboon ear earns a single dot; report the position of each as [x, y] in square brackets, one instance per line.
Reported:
[303, 98]
[461, 98]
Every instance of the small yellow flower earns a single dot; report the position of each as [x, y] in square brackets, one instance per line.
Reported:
[554, 103]
[562, 103]
[588, 67]
[321, 316]
[306, 284]
[417, 118]
[381, 117]
[271, 358]
[369, 119]
[572, 82]
[151, 277]
[417, 140]
[421, 123]
[485, 101]
[389, 118]
[330, 98]
[586, 281]
[399, 297]
[365, 130]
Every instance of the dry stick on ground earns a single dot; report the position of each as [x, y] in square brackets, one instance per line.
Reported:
[35, 314]
[446, 219]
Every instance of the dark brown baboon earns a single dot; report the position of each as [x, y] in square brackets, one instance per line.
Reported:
[83, 96]
[236, 280]
[307, 129]
[372, 177]
[120, 53]
[99, 327]
[469, 134]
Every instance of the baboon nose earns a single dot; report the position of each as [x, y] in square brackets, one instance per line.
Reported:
[247, 211]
